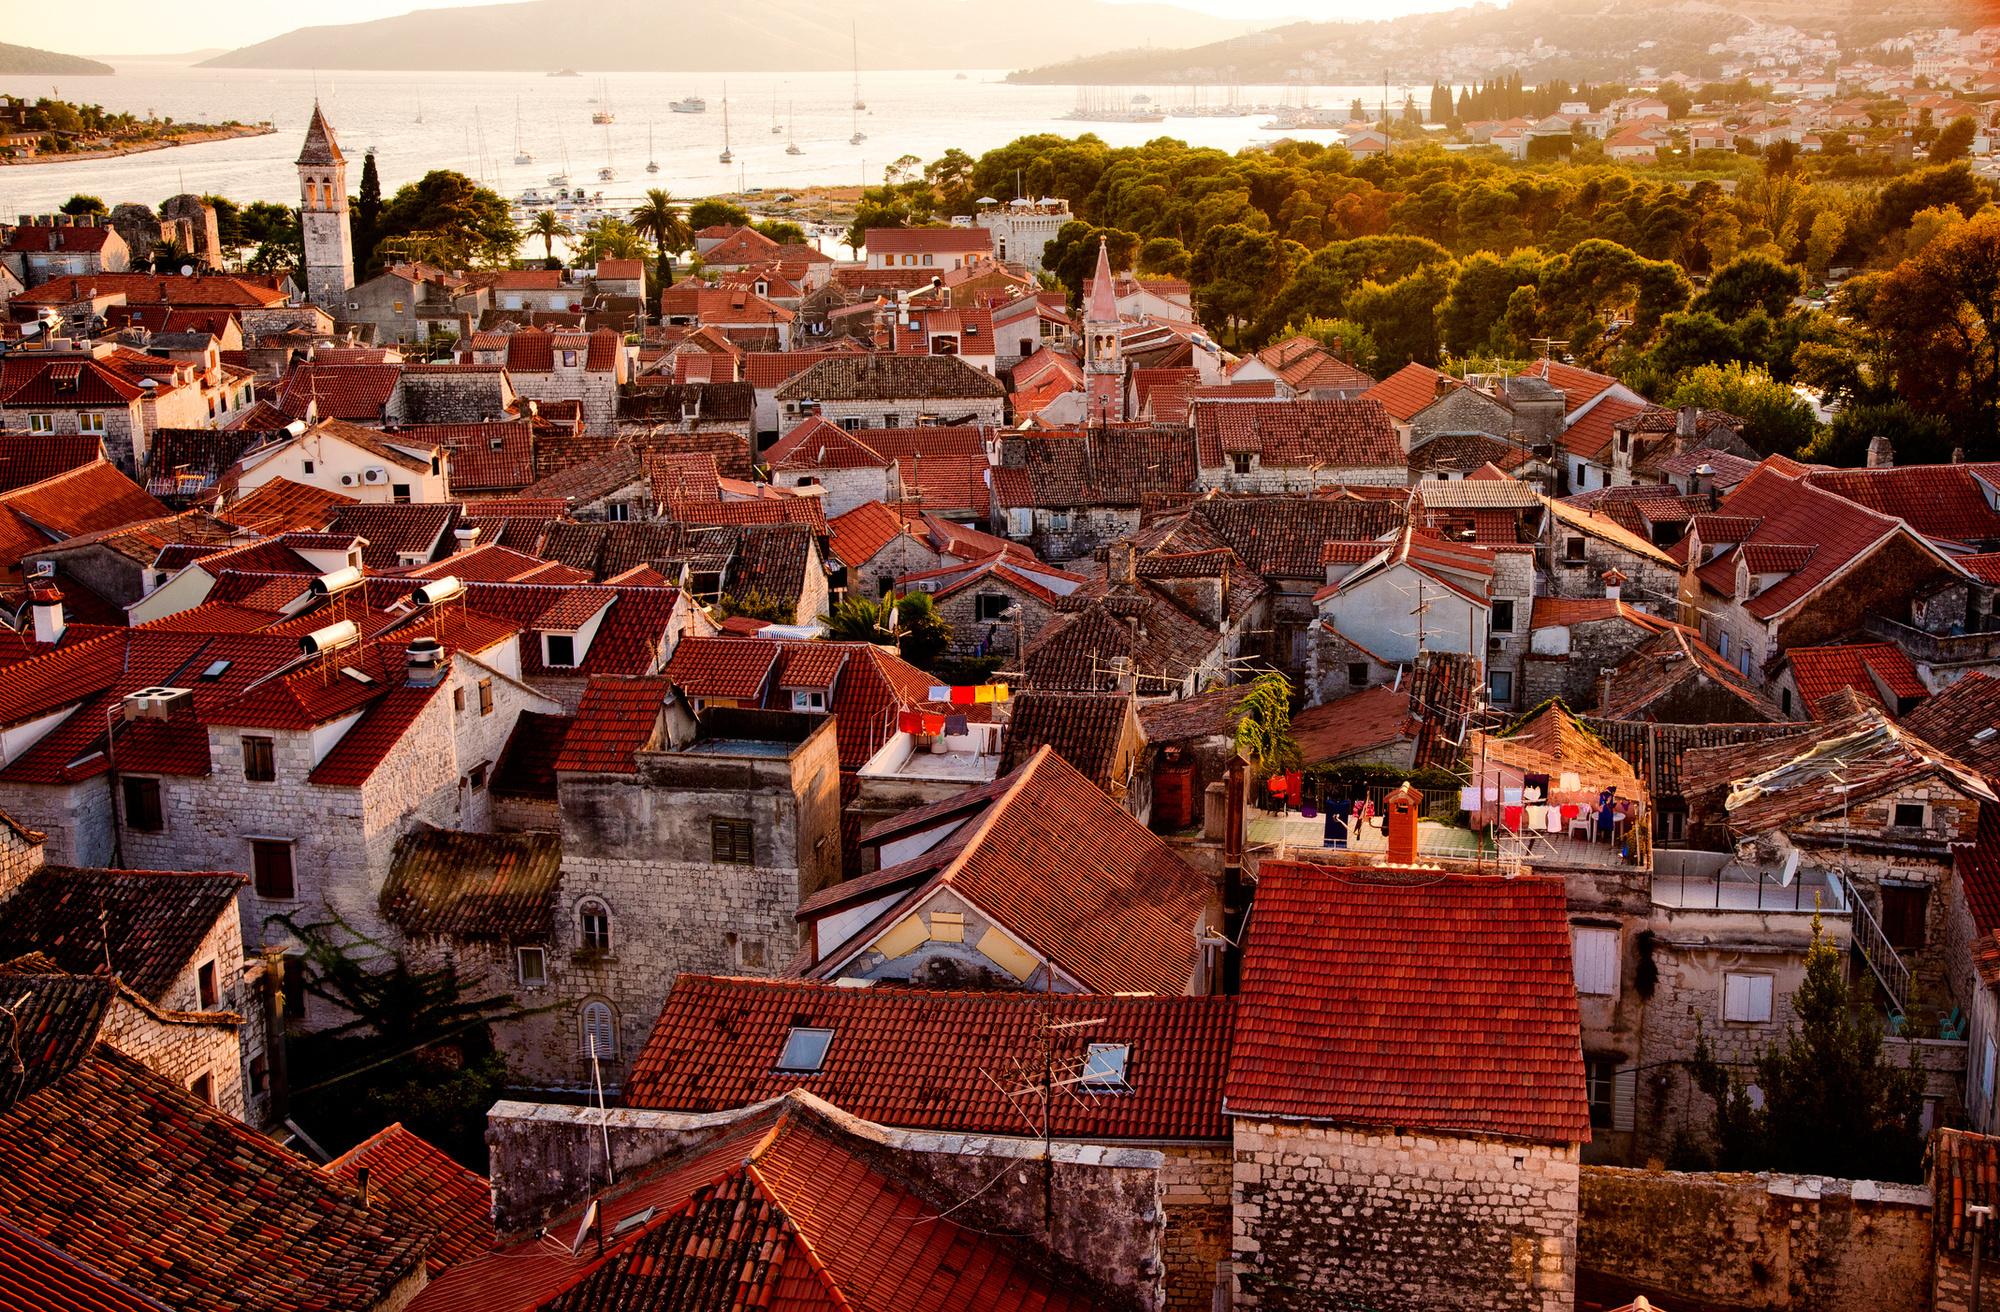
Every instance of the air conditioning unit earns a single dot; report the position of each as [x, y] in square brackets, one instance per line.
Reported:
[155, 703]
[348, 480]
[374, 474]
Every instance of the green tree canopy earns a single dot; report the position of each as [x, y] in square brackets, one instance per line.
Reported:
[448, 219]
[712, 213]
[1752, 281]
[1776, 419]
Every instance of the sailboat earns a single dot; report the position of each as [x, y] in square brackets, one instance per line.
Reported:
[775, 129]
[725, 157]
[604, 116]
[420, 109]
[561, 179]
[521, 155]
[652, 165]
[791, 144]
[607, 173]
[855, 41]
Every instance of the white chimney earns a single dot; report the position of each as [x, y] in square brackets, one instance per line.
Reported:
[1881, 453]
[1613, 582]
[464, 538]
[46, 600]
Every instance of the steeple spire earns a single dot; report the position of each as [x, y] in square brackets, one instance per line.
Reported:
[320, 148]
[1103, 304]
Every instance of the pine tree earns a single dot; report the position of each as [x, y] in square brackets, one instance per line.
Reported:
[1830, 1104]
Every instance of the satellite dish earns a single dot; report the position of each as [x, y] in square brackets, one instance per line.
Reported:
[187, 271]
[1791, 868]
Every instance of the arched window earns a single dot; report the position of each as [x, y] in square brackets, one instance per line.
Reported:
[598, 1031]
[593, 925]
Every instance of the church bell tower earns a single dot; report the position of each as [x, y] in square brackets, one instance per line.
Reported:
[329, 242]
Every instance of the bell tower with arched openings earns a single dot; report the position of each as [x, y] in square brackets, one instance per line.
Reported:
[323, 215]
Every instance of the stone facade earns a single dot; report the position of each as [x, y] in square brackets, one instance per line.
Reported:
[1582, 549]
[1195, 1184]
[842, 489]
[74, 819]
[969, 611]
[897, 412]
[1061, 536]
[640, 849]
[1802, 1243]
[1327, 1216]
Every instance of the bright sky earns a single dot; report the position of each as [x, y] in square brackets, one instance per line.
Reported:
[133, 27]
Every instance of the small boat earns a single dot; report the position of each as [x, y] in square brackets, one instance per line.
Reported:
[558, 179]
[725, 157]
[652, 165]
[791, 144]
[521, 155]
[607, 173]
[689, 105]
[854, 42]
[565, 72]
[604, 117]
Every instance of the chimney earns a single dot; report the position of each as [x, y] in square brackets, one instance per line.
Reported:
[1123, 565]
[46, 600]
[1613, 580]
[1684, 423]
[427, 663]
[1444, 385]
[1403, 807]
[1881, 453]
[464, 538]
[1604, 674]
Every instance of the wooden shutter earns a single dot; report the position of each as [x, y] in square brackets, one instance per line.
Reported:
[1596, 960]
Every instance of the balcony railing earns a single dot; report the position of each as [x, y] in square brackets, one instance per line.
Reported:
[1709, 881]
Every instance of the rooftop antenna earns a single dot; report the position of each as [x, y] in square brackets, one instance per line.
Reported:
[603, 1122]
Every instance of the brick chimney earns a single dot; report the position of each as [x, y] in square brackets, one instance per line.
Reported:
[1123, 565]
[46, 600]
[1881, 453]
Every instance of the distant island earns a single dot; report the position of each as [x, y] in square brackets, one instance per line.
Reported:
[1571, 39]
[775, 36]
[40, 63]
[47, 130]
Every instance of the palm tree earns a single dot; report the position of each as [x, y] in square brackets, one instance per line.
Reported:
[548, 225]
[662, 220]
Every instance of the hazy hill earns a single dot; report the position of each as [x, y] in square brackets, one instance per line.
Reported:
[30, 61]
[645, 35]
[1570, 39]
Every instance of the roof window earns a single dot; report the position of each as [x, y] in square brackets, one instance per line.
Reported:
[805, 1050]
[1104, 1067]
[215, 670]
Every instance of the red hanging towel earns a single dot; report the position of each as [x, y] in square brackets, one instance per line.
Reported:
[933, 724]
[910, 721]
[1295, 786]
[966, 696]
[1511, 817]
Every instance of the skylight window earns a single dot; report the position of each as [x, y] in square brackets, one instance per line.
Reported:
[805, 1050]
[1984, 734]
[359, 676]
[633, 1221]
[215, 670]
[1104, 1067]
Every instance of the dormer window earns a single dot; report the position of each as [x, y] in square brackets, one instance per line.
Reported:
[1240, 462]
[559, 650]
[808, 699]
[805, 1050]
[569, 359]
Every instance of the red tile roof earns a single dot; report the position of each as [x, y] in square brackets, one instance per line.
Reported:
[1947, 503]
[1576, 385]
[1418, 1000]
[817, 444]
[1775, 508]
[281, 505]
[409, 1178]
[722, 667]
[857, 535]
[352, 761]
[188, 1204]
[39, 1277]
[1590, 436]
[936, 241]
[1067, 870]
[1297, 434]
[1866, 667]
[917, 1058]
[148, 923]
[785, 1209]
[221, 290]
[356, 392]
[1407, 391]
[614, 720]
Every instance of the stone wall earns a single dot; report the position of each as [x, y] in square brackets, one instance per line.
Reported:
[74, 819]
[1195, 1194]
[970, 634]
[182, 1047]
[1651, 585]
[844, 488]
[1107, 1218]
[1757, 1241]
[597, 389]
[1326, 1216]
[1083, 533]
[20, 856]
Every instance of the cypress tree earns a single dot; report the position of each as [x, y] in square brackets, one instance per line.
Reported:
[368, 213]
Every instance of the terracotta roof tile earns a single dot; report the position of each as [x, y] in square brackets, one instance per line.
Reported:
[1948, 503]
[857, 535]
[1298, 434]
[615, 719]
[915, 1057]
[1963, 719]
[148, 923]
[1085, 729]
[469, 887]
[408, 1177]
[722, 667]
[1869, 668]
[1425, 1001]
[1408, 390]
[37, 1275]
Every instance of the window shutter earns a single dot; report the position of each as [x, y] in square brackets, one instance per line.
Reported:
[1596, 960]
[599, 1028]
[1624, 1098]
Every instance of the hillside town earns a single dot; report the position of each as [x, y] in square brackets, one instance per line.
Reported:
[991, 774]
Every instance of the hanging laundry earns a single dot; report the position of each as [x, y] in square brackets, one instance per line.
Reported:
[1555, 818]
[1468, 799]
[1538, 817]
[938, 692]
[955, 724]
[1510, 797]
[1570, 782]
[1510, 816]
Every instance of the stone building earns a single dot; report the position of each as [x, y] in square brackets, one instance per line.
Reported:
[329, 241]
[1296, 446]
[185, 1003]
[1143, 1068]
[570, 366]
[1437, 1170]
[196, 218]
[846, 470]
[891, 391]
[1022, 228]
[993, 604]
[688, 844]
[1584, 546]
[51, 245]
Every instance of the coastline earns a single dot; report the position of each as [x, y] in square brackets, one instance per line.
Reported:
[200, 138]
